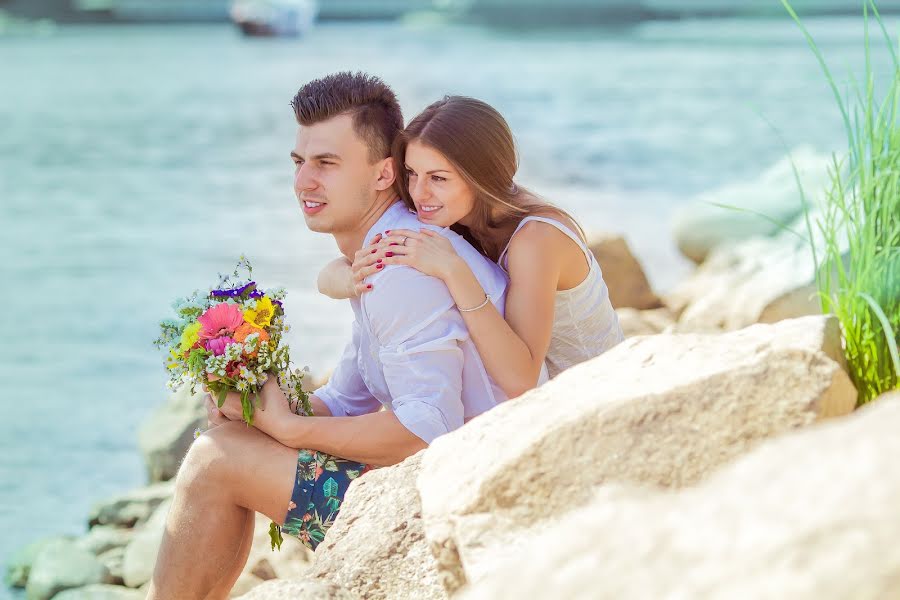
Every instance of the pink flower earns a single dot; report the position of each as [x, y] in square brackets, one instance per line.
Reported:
[217, 345]
[220, 320]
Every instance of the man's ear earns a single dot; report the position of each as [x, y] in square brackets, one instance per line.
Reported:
[386, 174]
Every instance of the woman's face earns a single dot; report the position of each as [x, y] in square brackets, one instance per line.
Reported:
[439, 192]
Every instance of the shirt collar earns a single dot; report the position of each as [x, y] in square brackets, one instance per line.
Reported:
[387, 220]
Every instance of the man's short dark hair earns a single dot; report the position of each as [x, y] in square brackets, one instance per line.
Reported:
[377, 118]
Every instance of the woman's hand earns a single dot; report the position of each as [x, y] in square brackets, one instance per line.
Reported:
[425, 250]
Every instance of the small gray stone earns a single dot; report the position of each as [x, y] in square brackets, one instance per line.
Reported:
[19, 566]
[132, 508]
[62, 565]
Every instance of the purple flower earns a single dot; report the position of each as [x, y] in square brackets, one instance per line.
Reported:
[237, 292]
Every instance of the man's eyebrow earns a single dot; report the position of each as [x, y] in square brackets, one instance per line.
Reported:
[331, 155]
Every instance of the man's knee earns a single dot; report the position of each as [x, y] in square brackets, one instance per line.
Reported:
[206, 462]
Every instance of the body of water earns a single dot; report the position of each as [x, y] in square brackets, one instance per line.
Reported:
[137, 162]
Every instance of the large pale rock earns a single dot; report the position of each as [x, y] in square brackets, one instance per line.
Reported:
[376, 548]
[623, 274]
[645, 322]
[664, 410]
[759, 280]
[100, 592]
[19, 564]
[292, 561]
[140, 554]
[809, 516]
[61, 565]
[166, 435]
[133, 508]
[298, 590]
[245, 583]
[759, 205]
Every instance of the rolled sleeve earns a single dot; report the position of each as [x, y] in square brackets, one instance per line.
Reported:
[346, 394]
[419, 332]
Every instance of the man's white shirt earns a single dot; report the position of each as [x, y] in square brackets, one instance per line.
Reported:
[411, 351]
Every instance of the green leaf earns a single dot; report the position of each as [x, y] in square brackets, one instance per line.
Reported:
[275, 536]
[333, 504]
[222, 393]
[352, 473]
[330, 488]
[330, 465]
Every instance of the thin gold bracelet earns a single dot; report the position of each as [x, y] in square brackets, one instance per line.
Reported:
[482, 305]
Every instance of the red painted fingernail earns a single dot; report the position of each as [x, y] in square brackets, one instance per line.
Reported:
[388, 254]
[393, 244]
[378, 261]
[387, 230]
[373, 251]
[369, 286]
[379, 266]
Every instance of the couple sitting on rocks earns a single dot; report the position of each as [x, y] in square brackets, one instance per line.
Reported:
[466, 288]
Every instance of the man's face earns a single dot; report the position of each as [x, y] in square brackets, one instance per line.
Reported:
[333, 179]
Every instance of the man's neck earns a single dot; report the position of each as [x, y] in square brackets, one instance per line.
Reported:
[351, 241]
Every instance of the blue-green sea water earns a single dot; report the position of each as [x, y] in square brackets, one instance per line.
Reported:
[137, 162]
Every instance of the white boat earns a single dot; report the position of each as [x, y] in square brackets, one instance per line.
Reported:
[271, 18]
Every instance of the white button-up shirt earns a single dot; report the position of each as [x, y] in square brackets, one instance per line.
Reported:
[411, 351]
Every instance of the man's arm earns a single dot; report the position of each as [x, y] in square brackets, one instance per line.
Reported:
[418, 330]
[378, 438]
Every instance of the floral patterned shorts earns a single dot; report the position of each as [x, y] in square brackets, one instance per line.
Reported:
[322, 480]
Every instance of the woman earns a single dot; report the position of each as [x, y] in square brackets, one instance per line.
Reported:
[458, 161]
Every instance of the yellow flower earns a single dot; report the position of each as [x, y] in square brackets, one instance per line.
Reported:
[262, 315]
[189, 336]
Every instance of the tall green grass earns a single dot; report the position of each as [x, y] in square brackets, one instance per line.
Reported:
[857, 254]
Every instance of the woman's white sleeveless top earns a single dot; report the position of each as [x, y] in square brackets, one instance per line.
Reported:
[584, 322]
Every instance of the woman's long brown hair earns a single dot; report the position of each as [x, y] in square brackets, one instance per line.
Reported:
[476, 139]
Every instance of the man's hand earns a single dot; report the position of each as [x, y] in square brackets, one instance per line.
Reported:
[271, 415]
[213, 413]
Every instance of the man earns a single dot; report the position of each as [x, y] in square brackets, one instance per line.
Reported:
[410, 353]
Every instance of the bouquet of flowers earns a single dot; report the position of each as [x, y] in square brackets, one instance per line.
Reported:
[230, 339]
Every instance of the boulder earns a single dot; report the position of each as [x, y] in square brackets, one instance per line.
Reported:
[636, 322]
[62, 565]
[140, 555]
[19, 564]
[133, 508]
[102, 538]
[663, 410]
[623, 274]
[298, 590]
[759, 280]
[808, 516]
[113, 559]
[244, 583]
[292, 561]
[703, 224]
[165, 436]
[376, 547]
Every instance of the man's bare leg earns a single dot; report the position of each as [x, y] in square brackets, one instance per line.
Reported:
[230, 471]
[222, 590]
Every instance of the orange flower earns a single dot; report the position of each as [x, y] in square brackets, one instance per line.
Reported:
[245, 330]
[241, 333]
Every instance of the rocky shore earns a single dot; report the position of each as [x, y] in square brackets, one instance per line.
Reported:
[716, 453]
